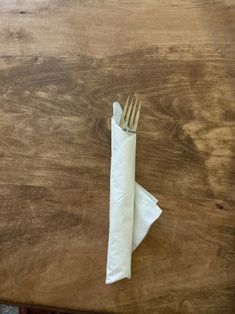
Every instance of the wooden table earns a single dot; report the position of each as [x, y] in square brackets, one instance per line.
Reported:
[62, 65]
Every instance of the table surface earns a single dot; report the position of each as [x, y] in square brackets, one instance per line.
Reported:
[62, 64]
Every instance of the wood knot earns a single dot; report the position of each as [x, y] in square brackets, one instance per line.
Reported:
[219, 205]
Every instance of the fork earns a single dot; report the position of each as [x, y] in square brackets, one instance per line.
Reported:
[130, 115]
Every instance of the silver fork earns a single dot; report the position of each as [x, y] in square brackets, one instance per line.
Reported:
[130, 115]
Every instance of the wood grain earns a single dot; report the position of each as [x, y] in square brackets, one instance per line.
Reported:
[62, 64]
[103, 28]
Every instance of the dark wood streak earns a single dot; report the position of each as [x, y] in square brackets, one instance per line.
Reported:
[61, 67]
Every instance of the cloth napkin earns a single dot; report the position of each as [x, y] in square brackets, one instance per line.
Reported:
[132, 208]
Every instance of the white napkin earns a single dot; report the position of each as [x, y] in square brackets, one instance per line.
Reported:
[132, 208]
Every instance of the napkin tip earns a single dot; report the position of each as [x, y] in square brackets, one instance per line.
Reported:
[117, 112]
[110, 281]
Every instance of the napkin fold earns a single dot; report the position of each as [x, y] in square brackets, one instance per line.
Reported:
[132, 209]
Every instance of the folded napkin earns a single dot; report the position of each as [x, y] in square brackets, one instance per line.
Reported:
[132, 208]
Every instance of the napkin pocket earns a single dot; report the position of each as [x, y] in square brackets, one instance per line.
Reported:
[132, 208]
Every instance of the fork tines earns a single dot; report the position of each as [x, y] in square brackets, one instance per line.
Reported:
[130, 115]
